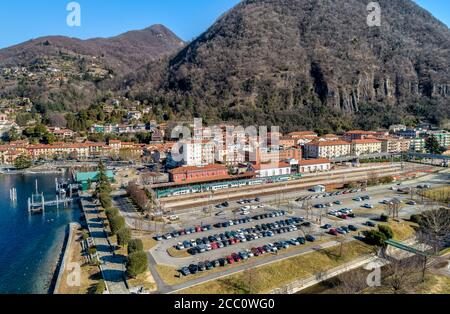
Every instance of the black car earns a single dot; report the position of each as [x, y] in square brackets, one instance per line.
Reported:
[222, 262]
[185, 271]
[193, 269]
[201, 266]
[306, 224]
[301, 240]
[310, 238]
[192, 251]
[209, 265]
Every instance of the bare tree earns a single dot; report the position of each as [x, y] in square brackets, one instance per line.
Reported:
[435, 228]
[352, 282]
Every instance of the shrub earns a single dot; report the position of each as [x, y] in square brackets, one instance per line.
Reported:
[137, 263]
[105, 200]
[384, 218]
[375, 237]
[135, 245]
[116, 223]
[386, 230]
[123, 236]
[111, 212]
[100, 287]
[92, 250]
[416, 218]
[386, 180]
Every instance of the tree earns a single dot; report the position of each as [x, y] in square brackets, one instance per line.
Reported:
[111, 212]
[387, 231]
[100, 287]
[137, 263]
[375, 237]
[384, 218]
[105, 200]
[116, 223]
[23, 162]
[135, 245]
[432, 145]
[435, 228]
[124, 236]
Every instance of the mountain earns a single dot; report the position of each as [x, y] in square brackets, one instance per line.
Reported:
[131, 49]
[63, 73]
[309, 64]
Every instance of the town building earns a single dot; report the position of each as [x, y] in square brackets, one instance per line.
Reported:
[327, 149]
[314, 165]
[271, 169]
[442, 137]
[192, 174]
[358, 135]
[365, 146]
[394, 145]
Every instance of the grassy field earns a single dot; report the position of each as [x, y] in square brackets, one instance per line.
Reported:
[143, 280]
[402, 230]
[90, 275]
[439, 194]
[268, 277]
[177, 253]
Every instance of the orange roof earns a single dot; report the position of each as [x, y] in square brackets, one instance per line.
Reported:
[366, 141]
[303, 133]
[193, 168]
[310, 162]
[328, 143]
[360, 132]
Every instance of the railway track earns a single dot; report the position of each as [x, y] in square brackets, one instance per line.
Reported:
[266, 190]
[305, 179]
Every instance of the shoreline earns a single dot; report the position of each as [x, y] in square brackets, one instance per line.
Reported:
[62, 259]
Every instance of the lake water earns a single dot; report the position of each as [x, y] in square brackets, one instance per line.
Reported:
[30, 245]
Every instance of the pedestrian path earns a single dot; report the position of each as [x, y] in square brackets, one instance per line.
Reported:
[111, 265]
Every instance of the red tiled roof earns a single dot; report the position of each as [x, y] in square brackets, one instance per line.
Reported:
[328, 143]
[310, 162]
[366, 141]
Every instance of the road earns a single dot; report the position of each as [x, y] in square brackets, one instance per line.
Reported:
[112, 266]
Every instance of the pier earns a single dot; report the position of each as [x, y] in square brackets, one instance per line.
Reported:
[37, 202]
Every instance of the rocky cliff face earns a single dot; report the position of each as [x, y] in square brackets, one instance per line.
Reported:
[278, 60]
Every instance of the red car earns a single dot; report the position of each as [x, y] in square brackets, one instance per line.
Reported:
[261, 250]
[230, 260]
[198, 229]
[236, 257]
[333, 232]
[256, 252]
[344, 216]
[214, 246]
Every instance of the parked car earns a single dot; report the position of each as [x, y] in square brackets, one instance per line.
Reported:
[301, 240]
[185, 271]
[333, 232]
[370, 206]
[193, 269]
[310, 238]
[326, 226]
[353, 228]
[370, 224]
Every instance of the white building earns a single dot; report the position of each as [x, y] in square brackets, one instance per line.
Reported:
[270, 169]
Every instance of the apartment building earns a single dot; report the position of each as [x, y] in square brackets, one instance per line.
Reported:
[395, 145]
[327, 149]
[442, 137]
[198, 153]
[358, 135]
[366, 146]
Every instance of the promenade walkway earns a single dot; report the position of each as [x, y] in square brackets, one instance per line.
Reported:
[111, 265]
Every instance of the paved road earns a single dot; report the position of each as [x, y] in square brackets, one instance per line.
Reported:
[112, 265]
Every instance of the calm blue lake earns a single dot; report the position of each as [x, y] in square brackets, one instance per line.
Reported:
[30, 245]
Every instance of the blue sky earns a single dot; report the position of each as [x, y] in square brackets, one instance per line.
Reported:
[21, 20]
